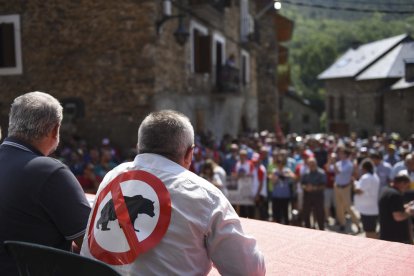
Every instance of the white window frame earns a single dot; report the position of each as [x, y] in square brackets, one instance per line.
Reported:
[18, 69]
[245, 54]
[244, 20]
[218, 37]
[202, 29]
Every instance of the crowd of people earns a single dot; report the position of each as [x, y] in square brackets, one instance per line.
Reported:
[315, 181]
[292, 180]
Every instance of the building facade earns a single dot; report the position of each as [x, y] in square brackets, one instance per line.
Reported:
[298, 115]
[112, 62]
[362, 94]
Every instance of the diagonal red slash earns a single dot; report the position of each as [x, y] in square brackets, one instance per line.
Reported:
[124, 220]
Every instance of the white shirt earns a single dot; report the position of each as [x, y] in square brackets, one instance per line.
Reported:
[204, 228]
[367, 202]
[256, 182]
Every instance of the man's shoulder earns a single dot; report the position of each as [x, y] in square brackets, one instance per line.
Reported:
[47, 162]
[390, 192]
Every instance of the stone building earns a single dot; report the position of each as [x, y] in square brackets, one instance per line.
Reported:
[298, 115]
[112, 62]
[362, 91]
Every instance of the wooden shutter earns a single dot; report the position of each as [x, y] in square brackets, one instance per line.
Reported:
[205, 54]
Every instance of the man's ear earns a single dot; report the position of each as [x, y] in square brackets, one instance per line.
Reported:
[188, 157]
[55, 131]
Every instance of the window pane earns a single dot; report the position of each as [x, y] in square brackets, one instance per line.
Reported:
[7, 47]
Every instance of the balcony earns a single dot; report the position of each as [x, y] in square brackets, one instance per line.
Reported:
[228, 79]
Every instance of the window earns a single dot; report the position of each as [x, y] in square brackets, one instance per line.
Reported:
[219, 53]
[10, 49]
[200, 48]
[246, 21]
[245, 67]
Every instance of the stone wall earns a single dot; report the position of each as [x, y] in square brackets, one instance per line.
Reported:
[107, 59]
[95, 51]
[267, 95]
[399, 111]
[298, 117]
[363, 105]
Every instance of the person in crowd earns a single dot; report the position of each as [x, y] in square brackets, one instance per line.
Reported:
[244, 169]
[88, 180]
[231, 159]
[203, 229]
[401, 165]
[329, 196]
[366, 198]
[393, 213]
[382, 169]
[40, 199]
[313, 184]
[391, 156]
[344, 170]
[259, 187]
[221, 173]
[300, 170]
[282, 179]
[105, 164]
[409, 170]
[207, 172]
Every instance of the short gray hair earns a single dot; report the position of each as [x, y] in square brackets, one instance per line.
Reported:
[33, 115]
[166, 132]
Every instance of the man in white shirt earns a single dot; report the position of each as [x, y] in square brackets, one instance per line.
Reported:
[186, 224]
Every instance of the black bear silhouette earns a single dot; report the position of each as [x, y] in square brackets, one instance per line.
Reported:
[135, 205]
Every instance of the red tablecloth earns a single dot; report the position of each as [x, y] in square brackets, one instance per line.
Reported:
[290, 250]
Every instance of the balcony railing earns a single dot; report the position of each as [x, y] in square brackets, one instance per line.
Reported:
[228, 79]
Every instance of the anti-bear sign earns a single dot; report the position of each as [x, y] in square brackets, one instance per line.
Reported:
[130, 216]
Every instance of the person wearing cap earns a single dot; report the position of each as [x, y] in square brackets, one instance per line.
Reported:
[391, 156]
[402, 165]
[393, 213]
[409, 170]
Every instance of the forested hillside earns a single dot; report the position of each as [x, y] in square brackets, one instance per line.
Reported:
[321, 35]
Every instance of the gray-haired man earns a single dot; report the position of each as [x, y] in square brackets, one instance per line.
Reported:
[182, 224]
[40, 199]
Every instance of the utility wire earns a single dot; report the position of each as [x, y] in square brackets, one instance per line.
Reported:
[385, 11]
[388, 3]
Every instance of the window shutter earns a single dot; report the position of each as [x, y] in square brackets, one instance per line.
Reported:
[205, 54]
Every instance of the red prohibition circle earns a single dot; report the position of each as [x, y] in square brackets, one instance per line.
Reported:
[136, 247]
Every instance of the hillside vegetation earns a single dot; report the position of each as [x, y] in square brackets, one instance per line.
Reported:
[320, 38]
